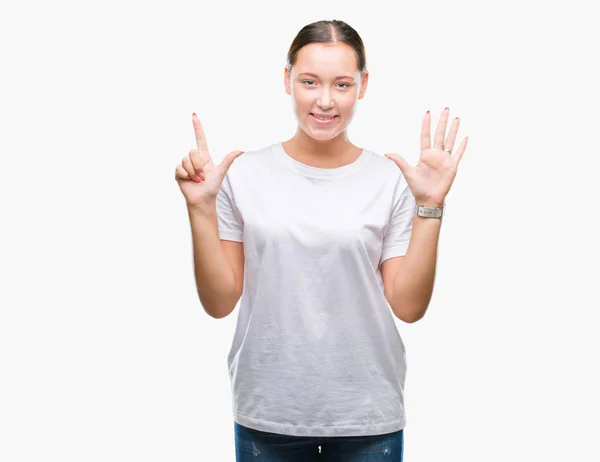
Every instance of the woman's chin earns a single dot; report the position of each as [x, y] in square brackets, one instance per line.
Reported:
[322, 135]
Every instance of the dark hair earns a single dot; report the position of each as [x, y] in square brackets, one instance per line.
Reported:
[328, 31]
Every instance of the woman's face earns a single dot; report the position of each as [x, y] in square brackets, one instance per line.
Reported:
[325, 82]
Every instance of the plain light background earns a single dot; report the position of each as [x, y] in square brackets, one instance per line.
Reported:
[105, 351]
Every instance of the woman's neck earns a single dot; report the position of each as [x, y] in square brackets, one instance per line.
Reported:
[333, 153]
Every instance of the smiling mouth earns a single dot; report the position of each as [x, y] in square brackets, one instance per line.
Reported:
[324, 119]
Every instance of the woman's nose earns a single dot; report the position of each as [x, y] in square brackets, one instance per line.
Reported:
[325, 100]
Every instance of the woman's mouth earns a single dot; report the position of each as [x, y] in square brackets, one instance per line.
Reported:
[323, 120]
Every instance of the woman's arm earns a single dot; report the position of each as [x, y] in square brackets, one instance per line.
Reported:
[219, 281]
[409, 279]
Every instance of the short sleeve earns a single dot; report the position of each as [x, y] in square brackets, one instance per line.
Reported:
[397, 234]
[230, 222]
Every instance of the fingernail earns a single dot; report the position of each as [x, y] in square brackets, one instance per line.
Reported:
[201, 175]
[427, 113]
[193, 113]
[446, 108]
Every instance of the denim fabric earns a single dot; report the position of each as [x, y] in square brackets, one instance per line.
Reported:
[257, 446]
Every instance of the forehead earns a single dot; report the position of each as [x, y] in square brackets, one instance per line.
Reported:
[327, 59]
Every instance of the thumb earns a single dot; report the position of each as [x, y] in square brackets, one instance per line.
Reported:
[400, 162]
[228, 160]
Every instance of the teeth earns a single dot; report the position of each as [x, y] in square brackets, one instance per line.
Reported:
[323, 118]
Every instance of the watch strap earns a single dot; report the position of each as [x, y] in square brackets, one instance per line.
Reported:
[430, 212]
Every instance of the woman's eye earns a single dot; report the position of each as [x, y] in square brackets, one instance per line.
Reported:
[310, 82]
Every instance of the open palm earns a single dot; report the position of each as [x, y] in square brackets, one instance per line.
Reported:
[436, 168]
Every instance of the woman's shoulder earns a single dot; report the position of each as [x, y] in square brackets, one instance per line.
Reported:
[256, 154]
[383, 166]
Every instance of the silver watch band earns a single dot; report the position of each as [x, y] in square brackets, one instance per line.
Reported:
[430, 212]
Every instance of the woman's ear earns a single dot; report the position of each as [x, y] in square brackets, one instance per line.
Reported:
[286, 80]
[364, 83]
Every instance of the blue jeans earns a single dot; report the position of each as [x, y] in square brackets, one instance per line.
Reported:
[257, 446]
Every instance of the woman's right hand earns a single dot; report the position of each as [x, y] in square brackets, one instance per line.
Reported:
[198, 177]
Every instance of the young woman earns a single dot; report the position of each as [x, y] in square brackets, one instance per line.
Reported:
[319, 238]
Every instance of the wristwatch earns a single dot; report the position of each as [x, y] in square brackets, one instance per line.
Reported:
[430, 212]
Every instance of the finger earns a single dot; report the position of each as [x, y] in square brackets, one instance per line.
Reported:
[228, 160]
[198, 162]
[426, 132]
[440, 133]
[400, 162]
[449, 144]
[189, 168]
[459, 153]
[201, 143]
[181, 173]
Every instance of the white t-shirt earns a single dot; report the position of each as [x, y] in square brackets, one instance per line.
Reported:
[316, 351]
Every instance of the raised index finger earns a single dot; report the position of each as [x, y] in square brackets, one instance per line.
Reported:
[200, 137]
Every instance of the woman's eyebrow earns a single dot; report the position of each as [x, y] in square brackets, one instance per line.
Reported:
[315, 75]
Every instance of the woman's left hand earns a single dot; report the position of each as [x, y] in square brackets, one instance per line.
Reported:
[431, 179]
